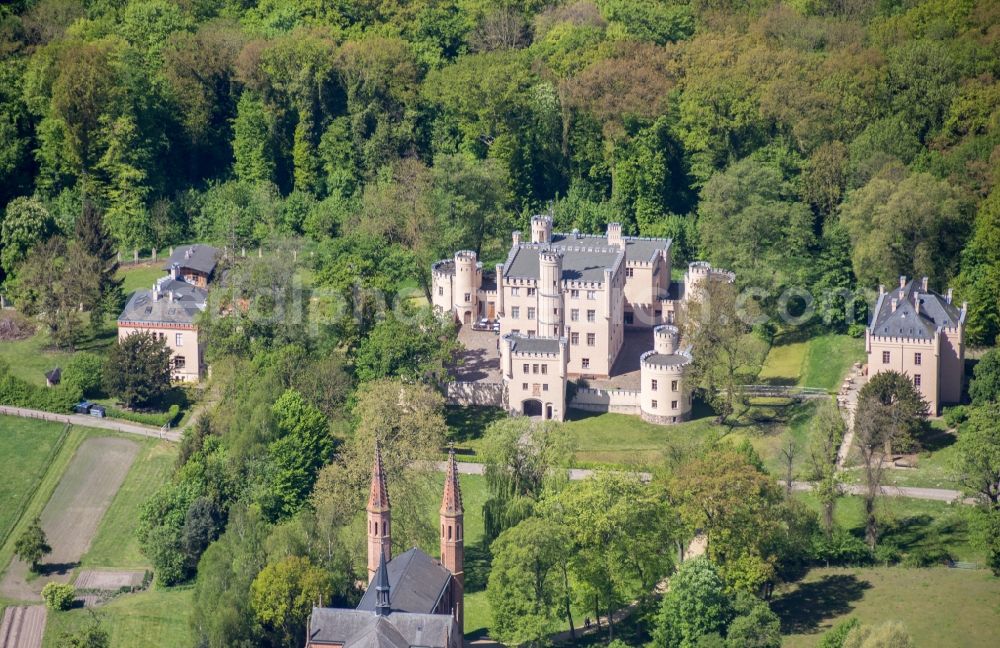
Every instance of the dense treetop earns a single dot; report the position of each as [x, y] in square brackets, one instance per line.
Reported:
[758, 134]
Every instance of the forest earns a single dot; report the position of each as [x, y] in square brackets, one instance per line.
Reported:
[821, 146]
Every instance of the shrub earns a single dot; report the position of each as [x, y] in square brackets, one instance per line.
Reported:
[955, 416]
[158, 419]
[83, 371]
[841, 548]
[58, 596]
[887, 553]
[835, 637]
[926, 557]
[17, 392]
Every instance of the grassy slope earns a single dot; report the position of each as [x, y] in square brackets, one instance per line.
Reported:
[158, 617]
[783, 365]
[115, 545]
[828, 360]
[27, 448]
[138, 277]
[939, 606]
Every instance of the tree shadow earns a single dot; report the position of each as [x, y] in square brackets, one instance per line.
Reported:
[802, 610]
[470, 422]
[477, 567]
[50, 569]
[932, 439]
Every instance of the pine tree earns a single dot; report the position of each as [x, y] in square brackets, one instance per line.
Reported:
[92, 238]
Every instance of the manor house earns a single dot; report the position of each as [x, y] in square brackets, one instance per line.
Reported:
[564, 302]
[920, 333]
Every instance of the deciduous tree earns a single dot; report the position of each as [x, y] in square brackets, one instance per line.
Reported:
[32, 544]
[138, 369]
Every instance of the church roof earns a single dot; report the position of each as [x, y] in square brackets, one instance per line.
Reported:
[365, 629]
[416, 584]
[451, 501]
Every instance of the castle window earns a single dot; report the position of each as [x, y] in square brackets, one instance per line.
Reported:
[531, 292]
[178, 339]
[673, 404]
[515, 291]
[885, 357]
[526, 368]
[916, 380]
[534, 368]
[524, 386]
[591, 316]
[591, 294]
[180, 362]
[591, 339]
[585, 363]
[673, 385]
[654, 383]
[449, 533]
[468, 297]
[545, 369]
[629, 319]
[574, 294]
[440, 291]
[916, 358]
[628, 272]
[545, 386]
[670, 317]
[654, 403]
[515, 312]
[531, 312]
[574, 315]
[376, 528]
[574, 338]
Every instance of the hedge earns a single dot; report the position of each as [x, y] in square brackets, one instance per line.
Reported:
[159, 419]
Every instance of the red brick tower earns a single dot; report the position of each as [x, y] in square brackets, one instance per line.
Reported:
[379, 531]
[453, 538]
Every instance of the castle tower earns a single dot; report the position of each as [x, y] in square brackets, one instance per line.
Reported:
[550, 302]
[665, 339]
[467, 282]
[453, 538]
[615, 235]
[664, 396]
[379, 530]
[541, 229]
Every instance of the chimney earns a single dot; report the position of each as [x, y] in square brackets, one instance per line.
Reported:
[951, 294]
[916, 301]
[881, 289]
[902, 281]
[615, 234]
[174, 268]
[895, 302]
[516, 237]
[170, 296]
[923, 284]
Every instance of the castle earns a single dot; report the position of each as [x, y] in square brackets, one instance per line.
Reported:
[920, 333]
[564, 303]
[412, 600]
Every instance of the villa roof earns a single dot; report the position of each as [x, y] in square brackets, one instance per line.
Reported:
[526, 344]
[416, 582]
[202, 258]
[365, 629]
[144, 307]
[935, 312]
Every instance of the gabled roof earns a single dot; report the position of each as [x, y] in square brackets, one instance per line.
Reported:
[364, 629]
[416, 583]
[935, 312]
[202, 258]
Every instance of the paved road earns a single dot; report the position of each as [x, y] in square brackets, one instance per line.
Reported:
[936, 494]
[93, 422]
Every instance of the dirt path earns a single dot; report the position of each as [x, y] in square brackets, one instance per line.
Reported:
[73, 513]
[22, 627]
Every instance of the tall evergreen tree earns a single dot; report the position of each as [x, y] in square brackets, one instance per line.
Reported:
[93, 239]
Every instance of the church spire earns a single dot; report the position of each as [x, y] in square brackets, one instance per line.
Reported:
[379, 517]
[453, 538]
[381, 580]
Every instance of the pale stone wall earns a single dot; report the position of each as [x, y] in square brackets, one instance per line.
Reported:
[475, 393]
[189, 347]
[537, 377]
[902, 357]
[616, 401]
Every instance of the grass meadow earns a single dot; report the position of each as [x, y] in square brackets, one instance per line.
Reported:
[27, 447]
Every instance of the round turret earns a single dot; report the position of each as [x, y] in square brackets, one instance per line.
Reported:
[664, 396]
[666, 337]
[550, 311]
[541, 229]
[466, 285]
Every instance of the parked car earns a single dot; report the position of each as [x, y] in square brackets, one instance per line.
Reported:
[97, 410]
[83, 407]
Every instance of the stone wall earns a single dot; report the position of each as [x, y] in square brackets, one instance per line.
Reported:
[475, 393]
[616, 401]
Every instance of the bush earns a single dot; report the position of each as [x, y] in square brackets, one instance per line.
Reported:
[835, 637]
[955, 416]
[20, 393]
[158, 419]
[886, 553]
[83, 372]
[58, 596]
[927, 557]
[841, 548]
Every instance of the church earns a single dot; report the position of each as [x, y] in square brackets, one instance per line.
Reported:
[412, 599]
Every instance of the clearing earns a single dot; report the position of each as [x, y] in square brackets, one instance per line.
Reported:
[27, 447]
[820, 362]
[939, 606]
[73, 513]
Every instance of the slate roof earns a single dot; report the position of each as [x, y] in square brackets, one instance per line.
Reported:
[416, 583]
[365, 629]
[578, 263]
[188, 302]
[905, 322]
[637, 248]
[202, 258]
[526, 344]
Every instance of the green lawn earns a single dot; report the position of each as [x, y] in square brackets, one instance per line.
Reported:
[909, 524]
[27, 447]
[783, 365]
[143, 276]
[828, 360]
[158, 617]
[115, 545]
[939, 606]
